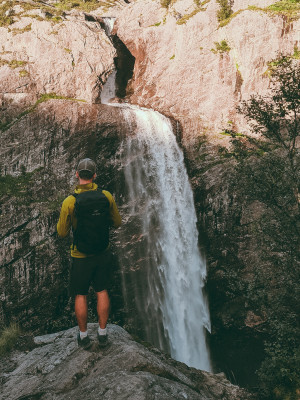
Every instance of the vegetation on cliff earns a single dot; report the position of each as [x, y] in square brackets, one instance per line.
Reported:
[268, 173]
[289, 9]
[225, 10]
[8, 338]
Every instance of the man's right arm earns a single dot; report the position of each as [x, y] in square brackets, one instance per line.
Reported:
[65, 222]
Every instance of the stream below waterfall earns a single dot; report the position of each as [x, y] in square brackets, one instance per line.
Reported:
[163, 270]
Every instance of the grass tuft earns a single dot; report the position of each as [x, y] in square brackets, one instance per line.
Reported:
[288, 8]
[13, 63]
[23, 73]
[8, 338]
[85, 5]
[199, 7]
[44, 97]
[16, 31]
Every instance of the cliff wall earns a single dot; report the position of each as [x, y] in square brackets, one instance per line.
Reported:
[197, 70]
[189, 66]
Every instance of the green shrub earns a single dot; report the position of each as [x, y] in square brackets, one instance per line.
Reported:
[165, 3]
[285, 5]
[267, 170]
[5, 20]
[8, 338]
[23, 73]
[221, 47]
[225, 10]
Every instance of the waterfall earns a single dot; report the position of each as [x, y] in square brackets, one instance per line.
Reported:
[109, 90]
[163, 270]
[169, 290]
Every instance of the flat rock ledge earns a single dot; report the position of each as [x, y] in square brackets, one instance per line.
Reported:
[58, 369]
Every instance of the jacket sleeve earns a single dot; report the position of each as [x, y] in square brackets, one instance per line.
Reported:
[113, 210]
[65, 218]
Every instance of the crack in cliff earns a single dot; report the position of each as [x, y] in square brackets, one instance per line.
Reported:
[162, 373]
[18, 228]
[124, 62]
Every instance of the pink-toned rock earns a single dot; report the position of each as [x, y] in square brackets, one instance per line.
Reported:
[71, 58]
[179, 72]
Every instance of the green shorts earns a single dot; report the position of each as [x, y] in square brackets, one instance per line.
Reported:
[92, 271]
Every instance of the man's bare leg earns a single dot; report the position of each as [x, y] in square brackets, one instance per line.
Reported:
[103, 306]
[81, 312]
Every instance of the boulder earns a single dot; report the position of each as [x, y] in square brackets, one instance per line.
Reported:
[58, 369]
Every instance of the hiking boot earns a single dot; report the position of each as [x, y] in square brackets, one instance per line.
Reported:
[85, 343]
[102, 339]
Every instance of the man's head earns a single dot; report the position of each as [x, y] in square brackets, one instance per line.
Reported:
[86, 170]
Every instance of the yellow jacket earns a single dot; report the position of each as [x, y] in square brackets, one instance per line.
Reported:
[67, 220]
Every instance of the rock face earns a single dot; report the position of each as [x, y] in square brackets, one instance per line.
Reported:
[190, 67]
[181, 72]
[58, 369]
[187, 67]
[39, 155]
[71, 57]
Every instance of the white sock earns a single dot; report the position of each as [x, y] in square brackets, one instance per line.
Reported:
[83, 334]
[102, 331]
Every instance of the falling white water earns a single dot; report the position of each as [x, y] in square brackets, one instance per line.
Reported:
[108, 24]
[163, 261]
[109, 89]
[169, 294]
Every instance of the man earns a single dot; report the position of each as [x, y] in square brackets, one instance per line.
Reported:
[90, 265]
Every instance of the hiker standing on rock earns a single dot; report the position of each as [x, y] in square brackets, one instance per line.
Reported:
[89, 212]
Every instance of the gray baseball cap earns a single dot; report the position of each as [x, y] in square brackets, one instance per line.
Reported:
[86, 165]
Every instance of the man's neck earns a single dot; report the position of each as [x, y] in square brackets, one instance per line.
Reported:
[83, 182]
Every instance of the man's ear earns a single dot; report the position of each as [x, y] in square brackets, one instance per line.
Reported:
[94, 176]
[77, 174]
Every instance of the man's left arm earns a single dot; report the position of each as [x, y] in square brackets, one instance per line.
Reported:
[113, 210]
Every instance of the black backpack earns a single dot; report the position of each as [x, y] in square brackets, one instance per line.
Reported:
[93, 219]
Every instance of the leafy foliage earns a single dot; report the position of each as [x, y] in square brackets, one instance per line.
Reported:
[225, 10]
[268, 168]
[5, 19]
[286, 7]
[221, 47]
[165, 3]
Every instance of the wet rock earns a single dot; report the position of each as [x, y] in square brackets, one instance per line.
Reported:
[58, 369]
